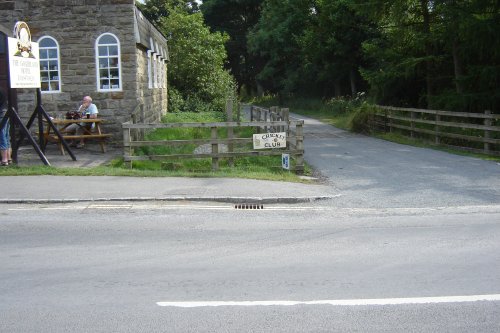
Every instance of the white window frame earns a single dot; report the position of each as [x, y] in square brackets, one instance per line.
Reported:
[150, 69]
[97, 63]
[57, 59]
[164, 68]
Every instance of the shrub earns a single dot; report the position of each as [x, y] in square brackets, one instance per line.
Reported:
[362, 118]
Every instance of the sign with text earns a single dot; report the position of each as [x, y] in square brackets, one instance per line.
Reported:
[269, 140]
[24, 61]
[285, 161]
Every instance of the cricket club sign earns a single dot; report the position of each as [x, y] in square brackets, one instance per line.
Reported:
[269, 140]
[24, 61]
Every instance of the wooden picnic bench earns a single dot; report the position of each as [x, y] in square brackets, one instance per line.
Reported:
[91, 130]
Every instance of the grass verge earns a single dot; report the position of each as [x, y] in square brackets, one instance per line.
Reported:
[263, 168]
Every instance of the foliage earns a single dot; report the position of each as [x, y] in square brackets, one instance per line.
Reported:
[155, 10]
[262, 167]
[335, 111]
[196, 74]
[332, 49]
[413, 53]
[361, 118]
[440, 54]
[235, 18]
[276, 38]
[197, 60]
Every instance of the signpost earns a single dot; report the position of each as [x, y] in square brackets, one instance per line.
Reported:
[24, 72]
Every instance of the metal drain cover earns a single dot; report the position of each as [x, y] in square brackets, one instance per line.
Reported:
[248, 206]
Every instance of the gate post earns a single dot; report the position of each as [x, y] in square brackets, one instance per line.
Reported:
[487, 122]
[215, 149]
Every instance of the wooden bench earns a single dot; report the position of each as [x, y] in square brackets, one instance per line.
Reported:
[100, 138]
[92, 131]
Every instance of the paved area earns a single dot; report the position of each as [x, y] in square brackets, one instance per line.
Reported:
[106, 188]
[89, 156]
[375, 173]
[356, 171]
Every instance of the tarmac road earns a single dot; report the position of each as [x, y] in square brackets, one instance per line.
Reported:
[370, 172]
[390, 223]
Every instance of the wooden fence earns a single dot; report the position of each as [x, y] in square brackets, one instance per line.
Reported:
[476, 132]
[236, 146]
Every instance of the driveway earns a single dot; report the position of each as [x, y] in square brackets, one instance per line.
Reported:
[369, 172]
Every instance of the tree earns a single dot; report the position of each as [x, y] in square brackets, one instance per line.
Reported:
[235, 18]
[276, 38]
[404, 52]
[469, 31]
[197, 59]
[332, 45]
[439, 54]
[155, 10]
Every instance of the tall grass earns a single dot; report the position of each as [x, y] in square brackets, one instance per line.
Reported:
[261, 167]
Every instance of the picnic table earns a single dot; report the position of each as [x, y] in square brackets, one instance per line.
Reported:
[91, 130]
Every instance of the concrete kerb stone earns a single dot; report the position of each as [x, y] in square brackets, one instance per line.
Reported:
[232, 200]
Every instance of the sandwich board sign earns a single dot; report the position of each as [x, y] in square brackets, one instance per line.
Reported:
[24, 60]
[269, 140]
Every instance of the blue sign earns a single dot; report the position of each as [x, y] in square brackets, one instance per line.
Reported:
[285, 161]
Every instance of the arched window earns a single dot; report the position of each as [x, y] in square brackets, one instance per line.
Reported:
[50, 73]
[108, 63]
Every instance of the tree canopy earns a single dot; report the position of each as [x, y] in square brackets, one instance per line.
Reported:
[420, 53]
[197, 76]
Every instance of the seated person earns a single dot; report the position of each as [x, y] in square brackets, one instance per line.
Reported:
[86, 110]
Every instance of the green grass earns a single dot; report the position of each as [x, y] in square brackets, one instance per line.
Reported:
[415, 142]
[263, 167]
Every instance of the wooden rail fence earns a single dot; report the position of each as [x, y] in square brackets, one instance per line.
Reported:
[476, 132]
[236, 146]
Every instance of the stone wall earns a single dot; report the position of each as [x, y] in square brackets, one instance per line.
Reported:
[76, 24]
[153, 102]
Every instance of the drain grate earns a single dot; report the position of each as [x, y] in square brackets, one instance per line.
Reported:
[248, 206]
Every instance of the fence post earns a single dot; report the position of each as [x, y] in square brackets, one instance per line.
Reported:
[286, 117]
[487, 122]
[127, 147]
[385, 120]
[412, 124]
[390, 120]
[230, 131]
[259, 112]
[215, 149]
[436, 128]
[299, 149]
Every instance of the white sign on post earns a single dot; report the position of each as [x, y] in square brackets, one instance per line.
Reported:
[269, 140]
[285, 161]
[24, 60]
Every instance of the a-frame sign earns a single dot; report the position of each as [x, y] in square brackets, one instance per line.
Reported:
[23, 68]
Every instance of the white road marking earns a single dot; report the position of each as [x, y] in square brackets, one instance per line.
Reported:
[341, 302]
[39, 208]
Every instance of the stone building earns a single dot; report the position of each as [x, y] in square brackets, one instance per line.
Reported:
[103, 48]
